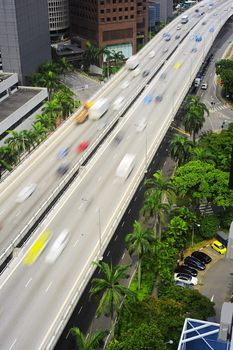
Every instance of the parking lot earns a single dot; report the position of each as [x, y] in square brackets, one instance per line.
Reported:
[216, 281]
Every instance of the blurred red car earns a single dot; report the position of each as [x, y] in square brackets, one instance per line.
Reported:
[82, 146]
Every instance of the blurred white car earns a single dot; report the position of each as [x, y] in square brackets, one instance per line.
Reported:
[125, 85]
[151, 54]
[117, 104]
[25, 193]
[185, 278]
[136, 72]
[141, 124]
[58, 246]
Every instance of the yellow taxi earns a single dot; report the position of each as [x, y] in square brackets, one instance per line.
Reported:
[37, 248]
[219, 247]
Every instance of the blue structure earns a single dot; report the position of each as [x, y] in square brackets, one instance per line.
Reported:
[154, 14]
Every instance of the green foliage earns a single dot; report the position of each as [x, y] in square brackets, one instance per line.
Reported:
[180, 148]
[193, 303]
[147, 284]
[224, 68]
[209, 226]
[177, 231]
[90, 343]
[226, 218]
[144, 337]
[200, 180]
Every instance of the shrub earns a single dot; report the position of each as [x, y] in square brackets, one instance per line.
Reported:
[209, 226]
[226, 219]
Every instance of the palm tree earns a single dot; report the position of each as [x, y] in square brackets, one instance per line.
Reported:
[47, 79]
[45, 121]
[117, 56]
[91, 54]
[53, 109]
[153, 207]
[109, 57]
[112, 291]
[90, 343]
[64, 65]
[39, 132]
[200, 153]
[139, 242]
[195, 116]
[7, 158]
[180, 148]
[65, 99]
[158, 182]
[16, 142]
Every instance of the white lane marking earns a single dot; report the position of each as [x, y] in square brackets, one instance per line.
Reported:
[46, 290]
[11, 347]
[18, 212]
[212, 298]
[108, 253]
[29, 281]
[76, 243]
[123, 256]
[116, 238]
[135, 198]
[122, 224]
[129, 210]
[80, 309]
[99, 179]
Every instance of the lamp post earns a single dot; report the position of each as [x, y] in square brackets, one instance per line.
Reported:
[198, 225]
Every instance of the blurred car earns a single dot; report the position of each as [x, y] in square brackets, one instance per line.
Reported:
[167, 37]
[165, 34]
[194, 49]
[165, 49]
[58, 246]
[141, 124]
[185, 278]
[117, 139]
[82, 146]
[101, 124]
[204, 86]
[37, 248]
[219, 247]
[62, 169]
[117, 104]
[147, 99]
[183, 285]
[158, 98]
[186, 269]
[136, 72]
[62, 153]
[203, 257]
[194, 263]
[151, 54]
[125, 85]
[177, 65]
[177, 36]
[204, 23]
[179, 27]
[145, 73]
[26, 192]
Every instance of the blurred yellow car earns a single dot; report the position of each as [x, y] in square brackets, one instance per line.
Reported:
[177, 65]
[219, 247]
[37, 248]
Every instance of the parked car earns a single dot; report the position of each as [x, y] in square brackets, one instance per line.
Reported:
[204, 86]
[185, 278]
[194, 263]
[203, 257]
[219, 247]
[186, 269]
[183, 285]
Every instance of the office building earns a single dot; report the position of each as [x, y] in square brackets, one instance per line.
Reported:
[159, 10]
[118, 24]
[58, 18]
[24, 36]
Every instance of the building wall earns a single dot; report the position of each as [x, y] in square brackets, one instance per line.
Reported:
[163, 8]
[58, 15]
[110, 22]
[24, 35]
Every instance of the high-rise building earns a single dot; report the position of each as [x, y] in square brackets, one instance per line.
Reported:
[118, 24]
[159, 10]
[58, 17]
[24, 36]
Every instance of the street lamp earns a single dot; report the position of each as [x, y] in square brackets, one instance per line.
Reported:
[198, 225]
[170, 341]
